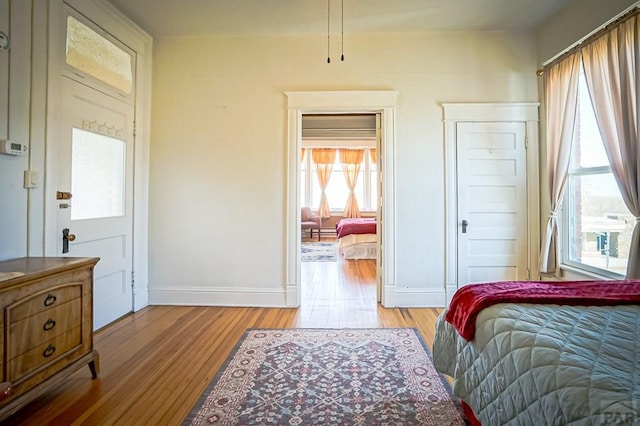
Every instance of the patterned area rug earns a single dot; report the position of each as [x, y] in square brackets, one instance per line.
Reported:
[318, 252]
[328, 376]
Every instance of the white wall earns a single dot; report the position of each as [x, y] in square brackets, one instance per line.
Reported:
[22, 103]
[218, 147]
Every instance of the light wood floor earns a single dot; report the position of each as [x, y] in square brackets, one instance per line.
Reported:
[157, 362]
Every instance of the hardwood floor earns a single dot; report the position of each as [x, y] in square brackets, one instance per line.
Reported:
[155, 363]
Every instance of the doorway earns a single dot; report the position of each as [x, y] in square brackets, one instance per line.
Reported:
[339, 184]
[94, 163]
[376, 102]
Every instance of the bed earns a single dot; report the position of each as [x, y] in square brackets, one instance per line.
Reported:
[529, 353]
[357, 238]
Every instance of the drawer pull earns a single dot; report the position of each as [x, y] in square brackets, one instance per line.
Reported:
[49, 325]
[49, 351]
[50, 300]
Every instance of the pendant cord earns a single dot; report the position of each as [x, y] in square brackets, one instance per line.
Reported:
[342, 32]
[328, 31]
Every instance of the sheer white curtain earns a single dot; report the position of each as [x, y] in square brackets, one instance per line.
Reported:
[351, 160]
[561, 99]
[323, 158]
[611, 65]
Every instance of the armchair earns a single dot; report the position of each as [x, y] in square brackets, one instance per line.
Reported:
[310, 221]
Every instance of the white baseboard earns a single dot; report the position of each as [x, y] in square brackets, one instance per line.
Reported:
[415, 297]
[395, 297]
[252, 297]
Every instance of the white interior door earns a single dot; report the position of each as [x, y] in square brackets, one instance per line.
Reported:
[95, 166]
[492, 201]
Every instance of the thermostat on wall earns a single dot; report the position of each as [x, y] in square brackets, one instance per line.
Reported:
[12, 148]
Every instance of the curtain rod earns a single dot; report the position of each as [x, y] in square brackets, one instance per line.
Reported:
[598, 32]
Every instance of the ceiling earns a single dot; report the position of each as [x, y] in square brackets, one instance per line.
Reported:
[162, 18]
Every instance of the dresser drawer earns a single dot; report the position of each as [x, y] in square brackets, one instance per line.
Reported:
[43, 354]
[43, 300]
[34, 330]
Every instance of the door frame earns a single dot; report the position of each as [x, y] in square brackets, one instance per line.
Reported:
[106, 16]
[455, 113]
[342, 102]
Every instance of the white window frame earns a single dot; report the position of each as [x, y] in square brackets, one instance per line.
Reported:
[87, 79]
[564, 227]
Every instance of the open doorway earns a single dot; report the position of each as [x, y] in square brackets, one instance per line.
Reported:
[339, 201]
[383, 105]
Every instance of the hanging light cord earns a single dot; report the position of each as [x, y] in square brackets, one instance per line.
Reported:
[342, 32]
[328, 31]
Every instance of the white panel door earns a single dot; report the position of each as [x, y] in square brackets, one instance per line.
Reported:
[492, 202]
[95, 162]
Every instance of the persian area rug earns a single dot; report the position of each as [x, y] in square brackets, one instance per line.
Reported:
[328, 376]
[318, 252]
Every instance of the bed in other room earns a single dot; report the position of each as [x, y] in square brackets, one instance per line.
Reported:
[556, 353]
[357, 238]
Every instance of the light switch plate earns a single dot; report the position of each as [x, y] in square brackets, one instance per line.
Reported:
[30, 179]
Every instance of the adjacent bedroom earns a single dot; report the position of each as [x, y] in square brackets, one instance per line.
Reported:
[339, 199]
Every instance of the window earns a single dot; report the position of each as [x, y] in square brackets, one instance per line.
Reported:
[95, 55]
[597, 225]
[97, 175]
[337, 190]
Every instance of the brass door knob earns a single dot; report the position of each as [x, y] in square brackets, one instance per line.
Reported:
[71, 237]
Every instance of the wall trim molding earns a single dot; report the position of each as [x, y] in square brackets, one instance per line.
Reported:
[229, 296]
[416, 297]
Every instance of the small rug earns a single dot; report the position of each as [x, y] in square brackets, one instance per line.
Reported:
[328, 376]
[318, 252]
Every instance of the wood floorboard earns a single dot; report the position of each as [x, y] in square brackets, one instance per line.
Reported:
[155, 363]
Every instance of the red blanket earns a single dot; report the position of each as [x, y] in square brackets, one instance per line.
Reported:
[471, 299]
[356, 226]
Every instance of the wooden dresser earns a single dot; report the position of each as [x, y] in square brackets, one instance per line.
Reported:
[47, 325]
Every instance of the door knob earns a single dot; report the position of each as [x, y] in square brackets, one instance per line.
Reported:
[66, 237]
[464, 226]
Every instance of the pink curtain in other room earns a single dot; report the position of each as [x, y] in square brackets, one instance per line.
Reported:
[351, 160]
[323, 158]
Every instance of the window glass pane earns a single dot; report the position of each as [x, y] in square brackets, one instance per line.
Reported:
[93, 54]
[315, 189]
[97, 175]
[588, 149]
[600, 226]
[337, 190]
[303, 186]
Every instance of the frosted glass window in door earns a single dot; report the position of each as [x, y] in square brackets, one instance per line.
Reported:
[93, 54]
[97, 175]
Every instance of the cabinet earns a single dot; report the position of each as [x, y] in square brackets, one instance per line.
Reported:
[47, 325]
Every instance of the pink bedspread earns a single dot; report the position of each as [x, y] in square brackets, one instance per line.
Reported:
[349, 226]
[471, 299]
